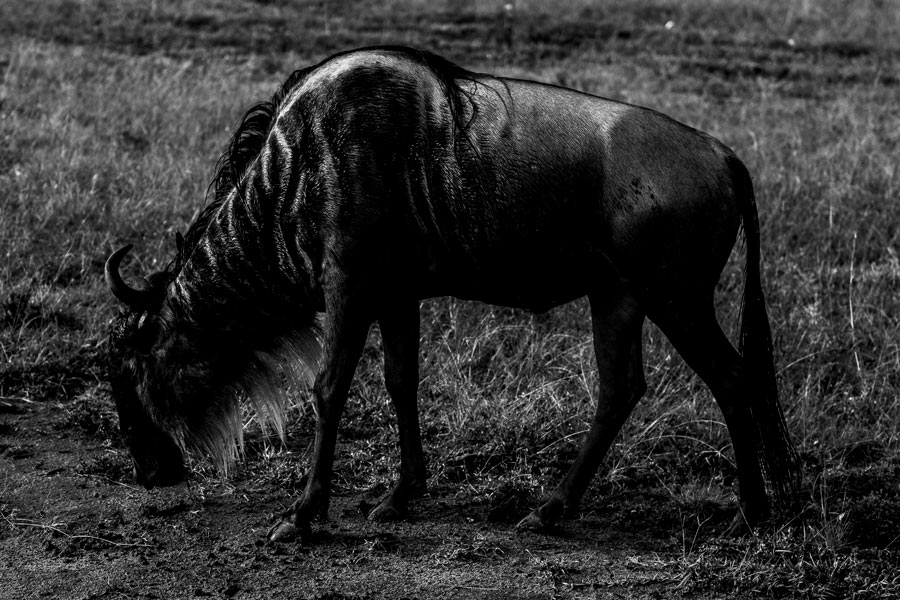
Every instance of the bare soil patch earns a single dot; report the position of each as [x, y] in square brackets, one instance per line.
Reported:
[77, 527]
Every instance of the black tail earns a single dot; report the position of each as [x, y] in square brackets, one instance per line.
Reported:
[777, 455]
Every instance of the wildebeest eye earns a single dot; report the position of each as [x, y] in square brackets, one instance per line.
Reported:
[146, 333]
[138, 333]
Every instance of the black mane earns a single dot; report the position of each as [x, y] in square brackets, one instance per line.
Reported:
[243, 148]
[250, 136]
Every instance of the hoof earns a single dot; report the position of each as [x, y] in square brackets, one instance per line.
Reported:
[288, 532]
[749, 516]
[544, 518]
[739, 527]
[386, 513]
[534, 523]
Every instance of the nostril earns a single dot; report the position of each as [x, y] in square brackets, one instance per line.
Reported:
[151, 480]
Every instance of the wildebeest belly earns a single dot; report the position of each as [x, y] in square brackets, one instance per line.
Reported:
[528, 281]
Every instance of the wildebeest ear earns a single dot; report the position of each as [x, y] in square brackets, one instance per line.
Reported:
[157, 283]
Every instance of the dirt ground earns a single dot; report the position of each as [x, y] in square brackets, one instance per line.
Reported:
[74, 530]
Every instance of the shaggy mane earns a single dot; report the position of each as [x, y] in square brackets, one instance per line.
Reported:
[269, 383]
[250, 136]
[243, 149]
[294, 361]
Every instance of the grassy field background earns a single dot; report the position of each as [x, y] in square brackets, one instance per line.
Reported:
[112, 115]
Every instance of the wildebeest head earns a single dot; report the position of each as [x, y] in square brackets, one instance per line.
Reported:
[177, 371]
[161, 381]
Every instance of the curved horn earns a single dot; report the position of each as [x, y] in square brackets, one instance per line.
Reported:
[126, 294]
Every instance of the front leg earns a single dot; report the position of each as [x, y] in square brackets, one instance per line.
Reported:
[400, 340]
[345, 337]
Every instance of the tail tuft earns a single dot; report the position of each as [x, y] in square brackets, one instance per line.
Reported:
[777, 455]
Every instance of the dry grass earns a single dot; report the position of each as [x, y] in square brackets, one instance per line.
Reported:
[110, 132]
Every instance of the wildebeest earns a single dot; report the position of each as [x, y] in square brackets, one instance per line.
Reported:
[383, 176]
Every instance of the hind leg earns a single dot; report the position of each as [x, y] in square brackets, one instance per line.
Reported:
[694, 331]
[617, 321]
